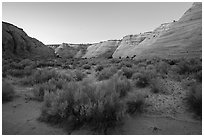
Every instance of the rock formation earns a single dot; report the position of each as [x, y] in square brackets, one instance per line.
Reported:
[182, 38]
[103, 49]
[171, 40]
[70, 50]
[15, 42]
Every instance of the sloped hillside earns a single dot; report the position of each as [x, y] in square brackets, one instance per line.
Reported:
[102, 49]
[15, 42]
[171, 40]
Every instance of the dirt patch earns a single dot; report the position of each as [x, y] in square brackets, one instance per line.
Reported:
[19, 117]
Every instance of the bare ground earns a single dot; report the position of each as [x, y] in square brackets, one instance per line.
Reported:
[20, 116]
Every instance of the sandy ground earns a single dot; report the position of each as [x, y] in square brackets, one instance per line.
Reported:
[19, 117]
[150, 125]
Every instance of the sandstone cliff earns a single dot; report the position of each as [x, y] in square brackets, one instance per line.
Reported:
[171, 40]
[15, 42]
[65, 50]
[103, 49]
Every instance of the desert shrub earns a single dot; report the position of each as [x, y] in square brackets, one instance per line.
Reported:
[141, 80]
[135, 103]
[198, 76]
[162, 67]
[5, 69]
[7, 92]
[142, 65]
[38, 92]
[157, 86]
[126, 63]
[128, 72]
[15, 65]
[150, 67]
[183, 67]
[143, 77]
[28, 70]
[99, 68]
[171, 61]
[52, 85]
[189, 66]
[86, 66]
[194, 99]
[106, 73]
[79, 75]
[122, 84]
[196, 64]
[26, 62]
[115, 60]
[39, 77]
[16, 72]
[97, 105]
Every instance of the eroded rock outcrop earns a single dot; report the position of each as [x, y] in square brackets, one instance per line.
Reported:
[171, 40]
[15, 42]
[103, 49]
[71, 50]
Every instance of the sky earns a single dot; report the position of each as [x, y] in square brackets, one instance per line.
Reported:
[88, 22]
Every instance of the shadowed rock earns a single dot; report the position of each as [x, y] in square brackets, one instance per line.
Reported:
[15, 42]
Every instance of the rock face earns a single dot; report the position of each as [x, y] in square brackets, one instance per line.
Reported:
[103, 49]
[15, 42]
[171, 40]
[130, 43]
[71, 50]
[182, 38]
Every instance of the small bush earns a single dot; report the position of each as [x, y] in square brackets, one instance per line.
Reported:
[128, 72]
[135, 103]
[7, 92]
[150, 67]
[141, 80]
[194, 99]
[99, 68]
[79, 75]
[115, 60]
[122, 85]
[15, 65]
[38, 92]
[162, 67]
[86, 66]
[106, 73]
[157, 86]
[15, 72]
[189, 66]
[26, 62]
[198, 76]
